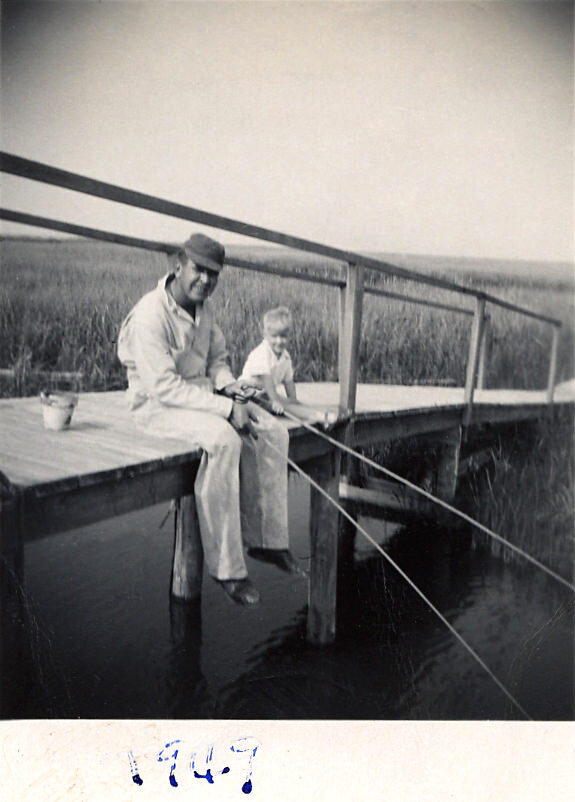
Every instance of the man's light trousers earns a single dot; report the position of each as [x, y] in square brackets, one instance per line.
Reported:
[241, 484]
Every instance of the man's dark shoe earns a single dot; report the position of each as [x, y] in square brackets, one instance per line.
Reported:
[282, 558]
[242, 591]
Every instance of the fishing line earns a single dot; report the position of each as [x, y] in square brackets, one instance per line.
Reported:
[432, 498]
[420, 593]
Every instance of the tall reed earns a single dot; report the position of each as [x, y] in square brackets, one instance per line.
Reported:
[526, 493]
[62, 302]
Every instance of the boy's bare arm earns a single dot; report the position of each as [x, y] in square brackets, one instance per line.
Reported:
[289, 385]
[304, 411]
[268, 384]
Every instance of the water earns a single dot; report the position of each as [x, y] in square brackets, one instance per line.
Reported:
[108, 644]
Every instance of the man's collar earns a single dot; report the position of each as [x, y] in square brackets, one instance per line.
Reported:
[164, 283]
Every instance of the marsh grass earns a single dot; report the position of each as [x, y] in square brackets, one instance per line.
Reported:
[526, 493]
[62, 302]
[522, 488]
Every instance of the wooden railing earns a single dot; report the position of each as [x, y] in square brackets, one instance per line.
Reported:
[351, 286]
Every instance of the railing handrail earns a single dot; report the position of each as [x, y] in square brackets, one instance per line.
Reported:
[85, 231]
[26, 168]
[168, 247]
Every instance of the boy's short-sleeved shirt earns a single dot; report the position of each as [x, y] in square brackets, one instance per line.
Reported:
[262, 361]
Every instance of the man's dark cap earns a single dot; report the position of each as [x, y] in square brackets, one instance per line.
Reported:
[205, 252]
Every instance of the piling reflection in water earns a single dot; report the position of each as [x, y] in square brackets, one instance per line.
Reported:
[109, 644]
[185, 687]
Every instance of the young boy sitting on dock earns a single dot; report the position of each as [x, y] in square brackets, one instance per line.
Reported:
[270, 364]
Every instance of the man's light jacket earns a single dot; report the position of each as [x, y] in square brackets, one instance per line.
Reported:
[172, 359]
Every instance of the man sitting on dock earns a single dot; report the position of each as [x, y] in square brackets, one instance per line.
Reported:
[180, 386]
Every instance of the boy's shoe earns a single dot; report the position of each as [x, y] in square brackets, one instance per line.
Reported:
[282, 558]
[241, 591]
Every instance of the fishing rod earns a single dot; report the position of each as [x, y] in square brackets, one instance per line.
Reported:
[428, 496]
[251, 393]
[400, 571]
[410, 582]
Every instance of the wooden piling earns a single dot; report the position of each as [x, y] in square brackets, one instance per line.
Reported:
[188, 564]
[347, 531]
[321, 620]
[12, 632]
[448, 464]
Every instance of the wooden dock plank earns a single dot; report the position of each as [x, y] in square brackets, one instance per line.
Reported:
[102, 436]
[72, 507]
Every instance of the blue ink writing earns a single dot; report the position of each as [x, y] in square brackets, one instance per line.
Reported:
[207, 765]
[173, 755]
[209, 776]
[246, 745]
[134, 769]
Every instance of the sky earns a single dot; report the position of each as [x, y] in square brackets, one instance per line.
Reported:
[428, 127]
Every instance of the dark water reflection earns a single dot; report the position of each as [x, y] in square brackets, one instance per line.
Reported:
[108, 643]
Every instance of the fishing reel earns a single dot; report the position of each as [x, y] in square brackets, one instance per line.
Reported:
[242, 393]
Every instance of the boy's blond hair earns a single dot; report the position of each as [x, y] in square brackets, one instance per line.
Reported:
[280, 315]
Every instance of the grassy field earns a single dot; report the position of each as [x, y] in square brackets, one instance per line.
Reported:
[62, 303]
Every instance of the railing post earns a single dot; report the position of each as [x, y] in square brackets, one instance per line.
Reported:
[552, 365]
[350, 327]
[340, 329]
[484, 353]
[473, 358]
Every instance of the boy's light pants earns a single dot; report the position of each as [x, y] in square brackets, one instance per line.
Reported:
[241, 484]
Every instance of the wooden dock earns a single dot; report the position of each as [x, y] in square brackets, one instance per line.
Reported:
[78, 476]
[102, 466]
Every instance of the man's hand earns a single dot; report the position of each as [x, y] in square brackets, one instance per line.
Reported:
[242, 417]
[242, 387]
